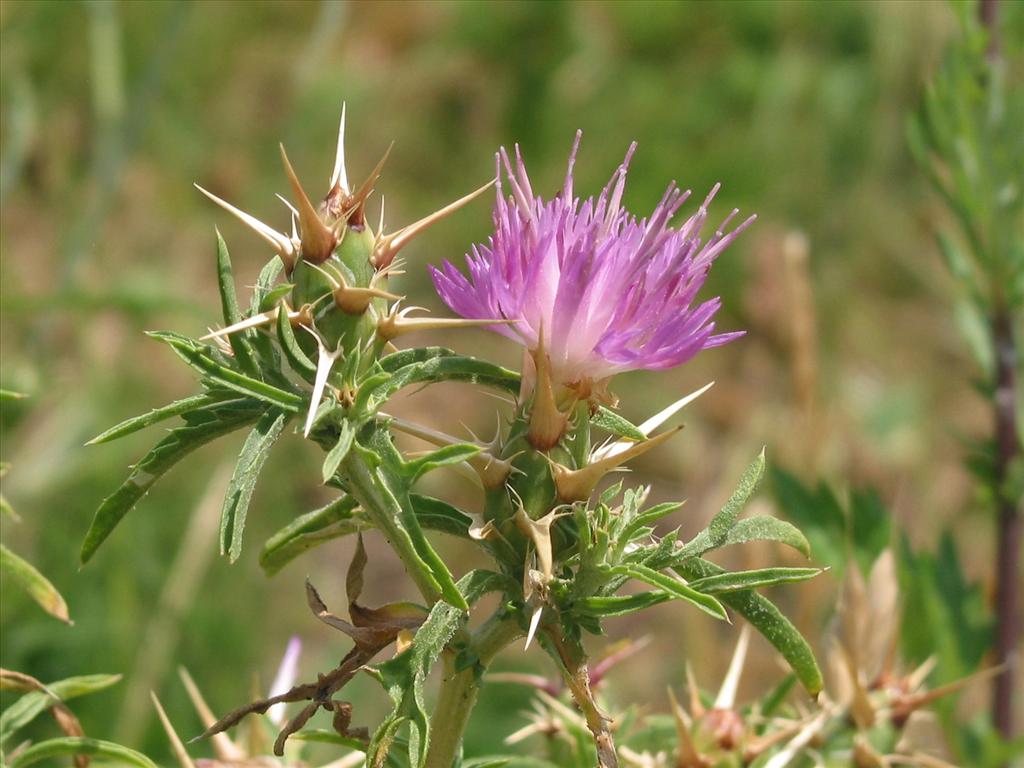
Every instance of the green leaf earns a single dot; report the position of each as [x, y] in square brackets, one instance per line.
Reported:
[200, 427]
[32, 704]
[756, 579]
[437, 515]
[264, 283]
[176, 408]
[619, 605]
[339, 518]
[232, 314]
[198, 356]
[403, 676]
[442, 457]
[25, 575]
[7, 394]
[297, 359]
[767, 528]
[243, 481]
[437, 369]
[80, 745]
[340, 450]
[726, 518]
[610, 421]
[673, 587]
[273, 296]
[320, 736]
[393, 362]
[766, 619]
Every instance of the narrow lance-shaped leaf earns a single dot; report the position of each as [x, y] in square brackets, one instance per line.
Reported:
[197, 355]
[674, 588]
[615, 424]
[340, 450]
[339, 518]
[200, 428]
[766, 528]
[80, 745]
[297, 359]
[756, 579]
[239, 494]
[232, 314]
[32, 704]
[157, 415]
[26, 576]
[766, 619]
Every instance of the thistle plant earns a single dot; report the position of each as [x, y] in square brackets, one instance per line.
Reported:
[588, 290]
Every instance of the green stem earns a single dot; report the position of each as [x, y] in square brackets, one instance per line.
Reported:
[383, 509]
[459, 689]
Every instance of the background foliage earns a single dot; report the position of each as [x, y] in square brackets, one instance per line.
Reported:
[851, 369]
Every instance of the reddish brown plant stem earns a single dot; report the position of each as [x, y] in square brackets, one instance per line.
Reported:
[1010, 524]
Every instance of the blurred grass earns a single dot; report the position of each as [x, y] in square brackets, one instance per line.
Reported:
[111, 110]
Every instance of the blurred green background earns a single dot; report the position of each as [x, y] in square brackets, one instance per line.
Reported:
[852, 368]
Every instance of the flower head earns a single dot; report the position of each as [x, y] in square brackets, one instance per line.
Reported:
[603, 291]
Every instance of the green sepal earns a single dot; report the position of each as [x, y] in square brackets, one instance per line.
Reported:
[613, 423]
[198, 355]
[766, 619]
[243, 481]
[239, 342]
[339, 518]
[200, 427]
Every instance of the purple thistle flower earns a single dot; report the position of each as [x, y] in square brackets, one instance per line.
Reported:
[606, 292]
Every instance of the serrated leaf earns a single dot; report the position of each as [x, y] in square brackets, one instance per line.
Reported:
[870, 527]
[32, 704]
[80, 745]
[25, 575]
[198, 356]
[766, 528]
[337, 454]
[243, 481]
[611, 422]
[755, 579]
[232, 314]
[817, 513]
[157, 415]
[766, 619]
[674, 588]
[201, 427]
[339, 518]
